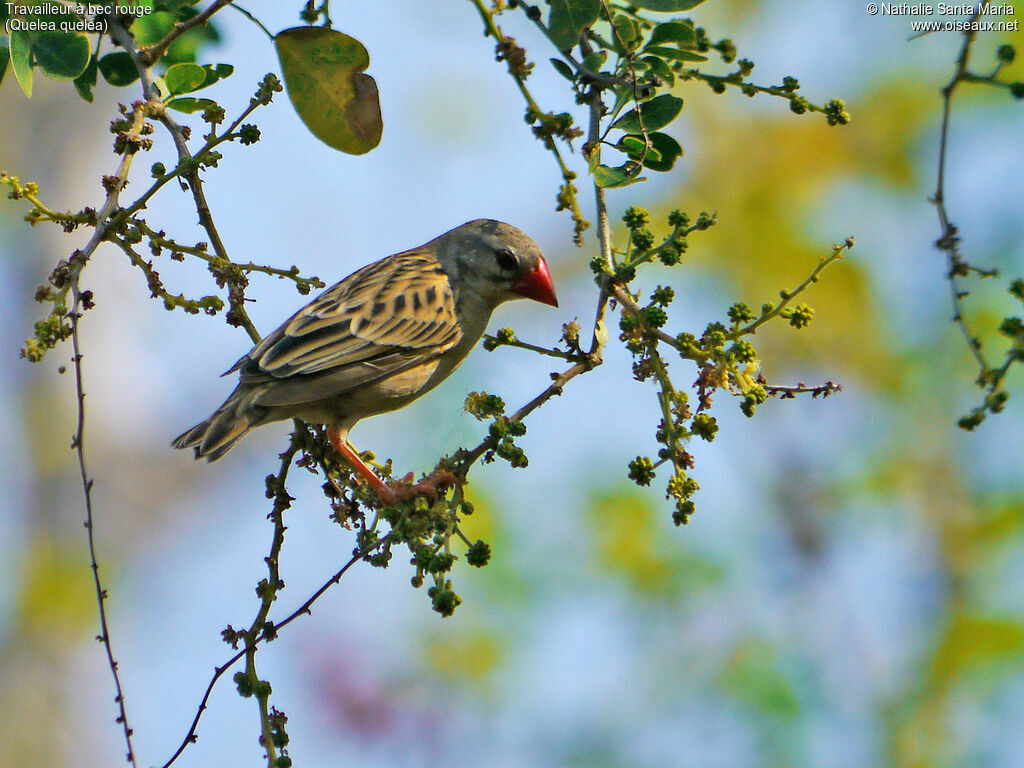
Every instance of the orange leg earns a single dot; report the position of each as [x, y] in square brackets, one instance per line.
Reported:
[384, 493]
[389, 494]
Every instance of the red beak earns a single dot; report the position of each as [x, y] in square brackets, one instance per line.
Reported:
[537, 285]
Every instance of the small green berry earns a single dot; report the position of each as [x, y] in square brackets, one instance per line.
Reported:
[669, 254]
[678, 219]
[655, 316]
[801, 316]
[681, 515]
[478, 554]
[636, 217]
[704, 426]
[740, 313]
[641, 470]
[248, 134]
[742, 351]
[642, 238]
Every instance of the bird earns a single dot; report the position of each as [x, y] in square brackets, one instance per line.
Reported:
[377, 340]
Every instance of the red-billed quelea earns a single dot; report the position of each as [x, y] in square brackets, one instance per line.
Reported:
[379, 339]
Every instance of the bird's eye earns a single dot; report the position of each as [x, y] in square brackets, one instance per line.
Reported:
[506, 259]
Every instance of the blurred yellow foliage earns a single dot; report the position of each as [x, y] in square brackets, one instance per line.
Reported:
[630, 545]
[56, 596]
[468, 656]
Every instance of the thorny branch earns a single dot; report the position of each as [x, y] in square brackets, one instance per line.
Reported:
[265, 635]
[82, 299]
[949, 241]
[190, 171]
[991, 379]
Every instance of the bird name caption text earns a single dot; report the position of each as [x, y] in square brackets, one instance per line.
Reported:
[60, 17]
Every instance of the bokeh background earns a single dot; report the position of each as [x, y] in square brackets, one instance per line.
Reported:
[849, 591]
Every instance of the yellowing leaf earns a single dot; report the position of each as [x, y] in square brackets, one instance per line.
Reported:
[323, 71]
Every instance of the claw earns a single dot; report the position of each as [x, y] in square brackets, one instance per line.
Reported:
[399, 490]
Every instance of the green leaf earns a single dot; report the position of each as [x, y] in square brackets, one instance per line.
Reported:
[152, 27]
[678, 32]
[595, 60]
[656, 113]
[118, 69]
[61, 55]
[323, 70]
[184, 78]
[5, 56]
[667, 6]
[673, 53]
[621, 176]
[187, 77]
[563, 69]
[190, 104]
[667, 151]
[218, 71]
[661, 69]
[21, 60]
[623, 96]
[628, 33]
[569, 18]
[86, 81]
[634, 146]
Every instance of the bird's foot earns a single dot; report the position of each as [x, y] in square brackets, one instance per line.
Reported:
[404, 489]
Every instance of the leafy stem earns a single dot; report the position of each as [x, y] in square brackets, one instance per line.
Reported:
[769, 311]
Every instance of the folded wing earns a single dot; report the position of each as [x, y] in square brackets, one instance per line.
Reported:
[392, 315]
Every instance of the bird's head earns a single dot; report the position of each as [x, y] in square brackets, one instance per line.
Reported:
[496, 262]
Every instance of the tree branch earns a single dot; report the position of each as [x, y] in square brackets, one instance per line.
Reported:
[151, 54]
[78, 443]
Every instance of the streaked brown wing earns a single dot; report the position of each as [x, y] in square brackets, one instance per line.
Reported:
[386, 317]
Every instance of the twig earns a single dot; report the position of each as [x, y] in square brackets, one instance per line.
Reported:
[790, 392]
[189, 170]
[628, 56]
[268, 591]
[254, 20]
[304, 609]
[949, 241]
[594, 357]
[466, 459]
[788, 296]
[567, 197]
[492, 342]
[78, 443]
[586, 74]
[191, 737]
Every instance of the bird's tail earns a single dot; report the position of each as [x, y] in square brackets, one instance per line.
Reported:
[212, 438]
